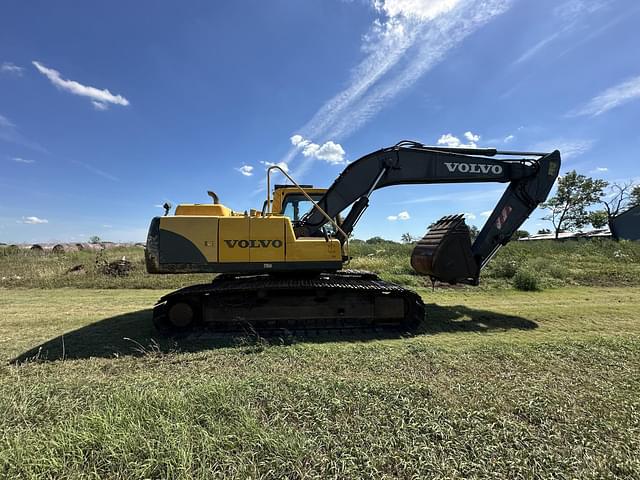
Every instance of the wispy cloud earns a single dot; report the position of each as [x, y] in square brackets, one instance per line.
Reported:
[536, 48]
[99, 105]
[599, 170]
[11, 68]
[596, 32]
[569, 15]
[5, 122]
[472, 196]
[95, 170]
[486, 213]
[569, 148]
[246, 170]
[22, 160]
[408, 39]
[9, 133]
[99, 98]
[33, 220]
[402, 216]
[613, 97]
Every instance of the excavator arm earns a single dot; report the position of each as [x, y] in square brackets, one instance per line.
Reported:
[446, 252]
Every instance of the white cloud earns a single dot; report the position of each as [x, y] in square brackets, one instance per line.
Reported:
[282, 165]
[330, 152]
[309, 149]
[611, 98]
[33, 220]
[298, 140]
[22, 160]
[404, 215]
[9, 67]
[99, 98]
[509, 138]
[408, 39]
[486, 213]
[419, 9]
[599, 170]
[246, 170]
[472, 137]
[569, 148]
[469, 216]
[450, 140]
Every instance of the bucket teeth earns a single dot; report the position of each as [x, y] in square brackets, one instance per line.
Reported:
[445, 254]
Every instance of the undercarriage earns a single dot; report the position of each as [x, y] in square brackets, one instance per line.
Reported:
[341, 300]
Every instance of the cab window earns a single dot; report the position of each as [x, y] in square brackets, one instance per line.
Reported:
[296, 205]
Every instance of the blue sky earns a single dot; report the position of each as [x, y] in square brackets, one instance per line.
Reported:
[109, 109]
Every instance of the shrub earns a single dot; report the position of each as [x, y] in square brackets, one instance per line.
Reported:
[505, 269]
[526, 281]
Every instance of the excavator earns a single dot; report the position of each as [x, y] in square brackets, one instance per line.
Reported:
[281, 267]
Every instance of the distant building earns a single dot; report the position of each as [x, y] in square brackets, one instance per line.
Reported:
[599, 233]
[626, 226]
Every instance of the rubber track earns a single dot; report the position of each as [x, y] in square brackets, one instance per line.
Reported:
[344, 280]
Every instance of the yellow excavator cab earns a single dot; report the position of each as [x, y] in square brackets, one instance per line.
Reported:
[281, 192]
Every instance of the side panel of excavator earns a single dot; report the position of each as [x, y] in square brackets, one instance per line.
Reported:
[241, 244]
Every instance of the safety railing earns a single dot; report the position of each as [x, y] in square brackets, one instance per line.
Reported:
[345, 246]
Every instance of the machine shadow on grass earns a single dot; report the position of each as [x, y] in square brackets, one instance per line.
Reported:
[132, 334]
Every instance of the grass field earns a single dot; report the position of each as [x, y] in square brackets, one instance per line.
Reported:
[595, 262]
[496, 383]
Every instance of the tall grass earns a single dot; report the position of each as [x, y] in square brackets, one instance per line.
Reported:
[583, 262]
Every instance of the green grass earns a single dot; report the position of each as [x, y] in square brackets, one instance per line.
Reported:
[496, 384]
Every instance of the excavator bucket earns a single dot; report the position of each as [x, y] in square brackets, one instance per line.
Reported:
[444, 253]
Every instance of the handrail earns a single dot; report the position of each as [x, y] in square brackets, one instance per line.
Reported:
[315, 205]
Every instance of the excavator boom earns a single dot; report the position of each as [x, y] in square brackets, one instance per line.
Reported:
[445, 253]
